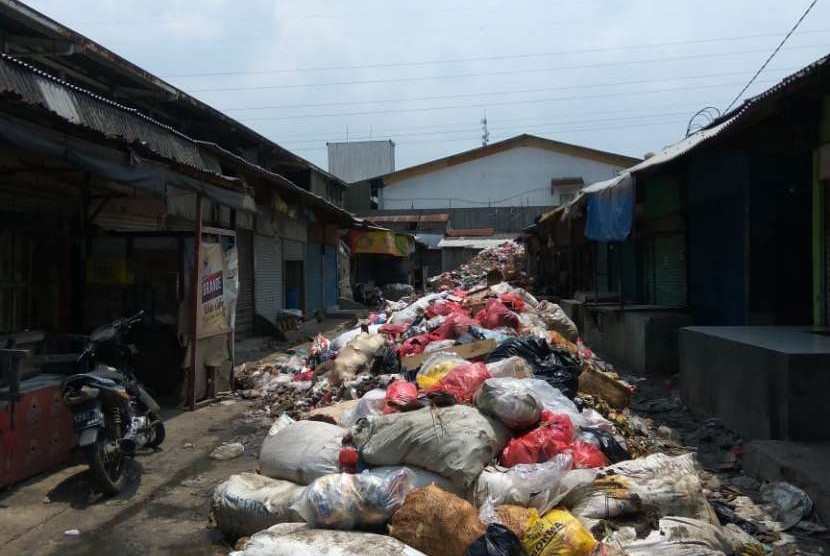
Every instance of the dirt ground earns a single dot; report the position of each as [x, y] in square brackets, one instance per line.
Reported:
[166, 506]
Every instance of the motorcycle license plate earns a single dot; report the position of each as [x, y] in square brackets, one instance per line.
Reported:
[88, 418]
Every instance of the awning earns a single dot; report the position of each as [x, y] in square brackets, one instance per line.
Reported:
[116, 165]
[431, 241]
[610, 209]
[380, 243]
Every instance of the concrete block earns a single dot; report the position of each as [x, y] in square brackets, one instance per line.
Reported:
[766, 383]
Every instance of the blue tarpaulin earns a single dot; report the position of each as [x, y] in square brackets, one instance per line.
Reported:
[610, 209]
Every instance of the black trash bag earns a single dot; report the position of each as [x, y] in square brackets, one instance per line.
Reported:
[387, 362]
[612, 449]
[497, 541]
[530, 348]
[556, 366]
[561, 369]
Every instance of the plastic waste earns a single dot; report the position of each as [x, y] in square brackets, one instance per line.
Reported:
[612, 449]
[531, 485]
[372, 403]
[512, 367]
[436, 522]
[302, 451]
[421, 478]
[496, 315]
[557, 533]
[510, 401]
[586, 455]
[247, 503]
[456, 442]
[347, 501]
[681, 536]
[657, 483]
[498, 540]
[437, 367]
[556, 319]
[438, 345]
[298, 539]
[561, 369]
[229, 450]
[499, 335]
[553, 435]
[462, 382]
[789, 504]
[401, 396]
[554, 400]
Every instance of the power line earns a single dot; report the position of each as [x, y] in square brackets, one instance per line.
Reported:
[283, 141]
[481, 74]
[448, 126]
[474, 139]
[774, 52]
[478, 58]
[484, 94]
[486, 105]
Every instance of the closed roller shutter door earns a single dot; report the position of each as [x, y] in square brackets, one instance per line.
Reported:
[267, 276]
[314, 277]
[330, 275]
[245, 301]
[670, 270]
[293, 250]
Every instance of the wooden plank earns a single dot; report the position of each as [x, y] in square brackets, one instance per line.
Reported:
[597, 383]
[332, 413]
[466, 351]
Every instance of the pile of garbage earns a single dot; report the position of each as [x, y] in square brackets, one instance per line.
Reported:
[474, 421]
[494, 264]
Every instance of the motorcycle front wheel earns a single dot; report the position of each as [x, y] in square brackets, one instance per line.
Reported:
[106, 461]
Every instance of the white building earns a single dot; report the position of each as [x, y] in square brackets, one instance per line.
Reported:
[519, 172]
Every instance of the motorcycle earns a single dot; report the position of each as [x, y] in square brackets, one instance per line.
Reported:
[112, 413]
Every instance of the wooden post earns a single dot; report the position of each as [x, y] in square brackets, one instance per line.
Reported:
[195, 297]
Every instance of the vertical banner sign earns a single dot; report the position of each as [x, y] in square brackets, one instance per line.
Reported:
[218, 285]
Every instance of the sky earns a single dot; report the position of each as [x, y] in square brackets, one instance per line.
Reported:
[625, 77]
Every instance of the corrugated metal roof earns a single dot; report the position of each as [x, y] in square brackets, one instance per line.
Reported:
[472, 232]
[717, 127]
[86, 109]
[409, 218]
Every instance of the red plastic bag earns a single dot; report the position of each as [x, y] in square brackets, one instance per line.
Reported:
[495, 315]
[456, 325]
[513, 301]
[586, 455]
[303, 377]
[553, 436]
[459, 292]
[463, 381]
[400, 396]
[393, 330]
[444, 307]
[414, 345]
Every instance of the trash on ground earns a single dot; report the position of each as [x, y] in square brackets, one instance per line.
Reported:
[248, 503]
[228, 450]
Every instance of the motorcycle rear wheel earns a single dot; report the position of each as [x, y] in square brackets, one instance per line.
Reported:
[107, 463]
[158, 431]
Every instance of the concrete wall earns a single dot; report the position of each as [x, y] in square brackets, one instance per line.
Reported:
[358, 160]
[766, 383]
[638, 342]
[519, 176]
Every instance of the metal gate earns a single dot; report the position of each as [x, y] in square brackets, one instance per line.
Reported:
[314, 277]
[245, 301]
[267, 277]
[293, 250]
[330, 276]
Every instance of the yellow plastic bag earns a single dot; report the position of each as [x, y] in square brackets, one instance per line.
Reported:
[436, 368]
[557, 533]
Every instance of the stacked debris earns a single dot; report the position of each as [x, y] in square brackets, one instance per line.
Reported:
[473, 420]
[493, 265]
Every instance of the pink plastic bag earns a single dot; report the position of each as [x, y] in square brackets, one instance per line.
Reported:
[401, 396]
[455, 325]
[495, 315]
[444, 307]
[463, 381]
[553, 436]
[513, 302]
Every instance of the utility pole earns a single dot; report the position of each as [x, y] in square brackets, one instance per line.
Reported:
[485, 135]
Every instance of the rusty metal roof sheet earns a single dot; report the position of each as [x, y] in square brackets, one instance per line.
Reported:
[88, 110]
[409, 218]
[471, 232]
